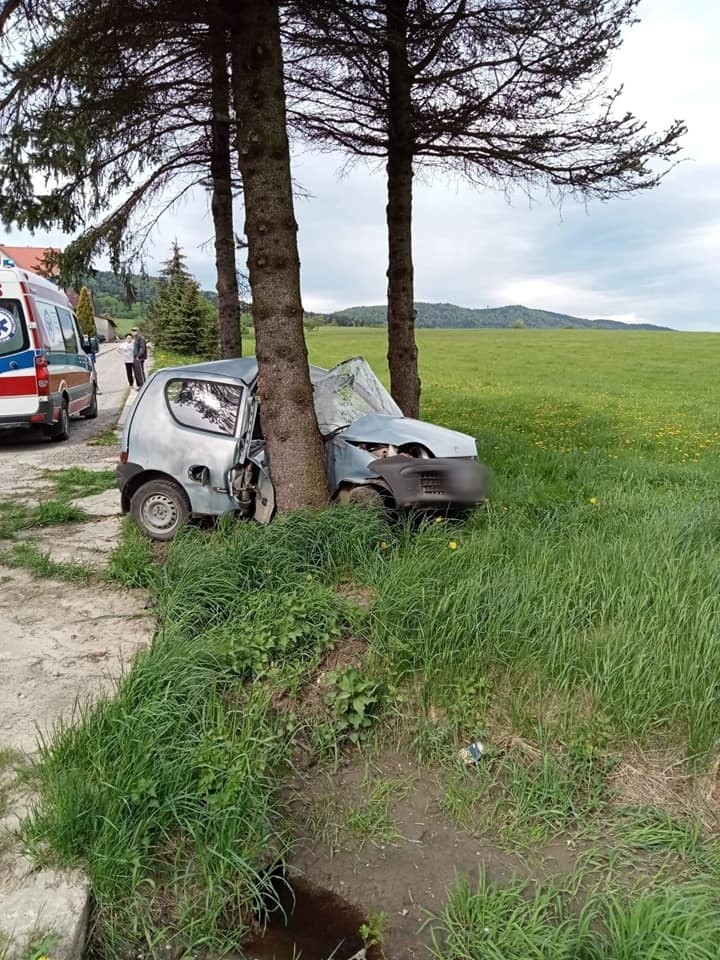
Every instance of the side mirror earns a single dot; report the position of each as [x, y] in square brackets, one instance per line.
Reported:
[94, 345]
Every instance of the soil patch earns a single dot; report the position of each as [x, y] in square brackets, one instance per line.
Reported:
[349, 652]
[406, 879]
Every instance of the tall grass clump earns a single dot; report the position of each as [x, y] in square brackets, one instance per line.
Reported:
[165, 794]
[520, 921]
[615, 600]
[131, 563]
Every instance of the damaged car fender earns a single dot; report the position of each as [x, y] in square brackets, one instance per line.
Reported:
[348, 464]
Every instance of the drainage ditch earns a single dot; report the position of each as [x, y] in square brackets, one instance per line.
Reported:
[308, 922]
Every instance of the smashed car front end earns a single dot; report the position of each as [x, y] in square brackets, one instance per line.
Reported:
[415, 465]
[369, 443]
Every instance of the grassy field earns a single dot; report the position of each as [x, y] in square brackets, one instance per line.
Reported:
[572, 626]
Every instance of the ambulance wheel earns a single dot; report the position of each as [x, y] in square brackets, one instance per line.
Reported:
[92, 411]
[61, 430]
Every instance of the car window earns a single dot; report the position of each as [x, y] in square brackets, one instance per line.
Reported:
[13, 332]
[68, 330]
[50, 326]
[204, 404]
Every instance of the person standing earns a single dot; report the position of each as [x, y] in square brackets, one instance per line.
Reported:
[127, 350]
[139, 355]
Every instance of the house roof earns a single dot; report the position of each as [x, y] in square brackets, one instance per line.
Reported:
[29, 258]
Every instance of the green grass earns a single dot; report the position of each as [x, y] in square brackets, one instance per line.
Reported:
[131, 563]
[575, 620]
[108, 438]
[367, 819]
[168, 793]
[16, 516]
[74, 482]
[31, 557]
[68, 485]
[520, 921]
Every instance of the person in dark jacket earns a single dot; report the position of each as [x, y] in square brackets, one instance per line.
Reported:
[139, 356]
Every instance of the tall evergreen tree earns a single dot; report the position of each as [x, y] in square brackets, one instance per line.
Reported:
[295, 447]
[180, 319]
[85, 313]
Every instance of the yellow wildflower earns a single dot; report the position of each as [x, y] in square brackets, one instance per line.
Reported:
[383, 546]
[452, 545]
[594, 501]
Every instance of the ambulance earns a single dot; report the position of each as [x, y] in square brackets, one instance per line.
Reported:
[47, 373]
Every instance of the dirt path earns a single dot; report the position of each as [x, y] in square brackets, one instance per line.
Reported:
[62, 644]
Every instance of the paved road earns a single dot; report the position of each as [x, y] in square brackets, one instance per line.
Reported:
[23, 453]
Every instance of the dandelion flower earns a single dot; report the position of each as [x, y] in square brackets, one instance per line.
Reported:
[309, 577]
[452, 545]
[383, 545]
[594, 501]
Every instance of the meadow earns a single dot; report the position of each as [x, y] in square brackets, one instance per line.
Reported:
[572, 626]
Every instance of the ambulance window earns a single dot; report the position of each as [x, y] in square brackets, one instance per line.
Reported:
[50, 323]
[13, 333]
[68, 330]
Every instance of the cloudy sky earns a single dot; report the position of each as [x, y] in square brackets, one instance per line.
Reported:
[654, 257]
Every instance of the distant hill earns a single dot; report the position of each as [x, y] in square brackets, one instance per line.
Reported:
[449, 315]
[109, 293]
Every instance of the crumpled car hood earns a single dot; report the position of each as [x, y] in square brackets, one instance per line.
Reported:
[441, 442]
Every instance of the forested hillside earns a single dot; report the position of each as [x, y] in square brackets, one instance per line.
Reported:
[449, 315]
[110, 295]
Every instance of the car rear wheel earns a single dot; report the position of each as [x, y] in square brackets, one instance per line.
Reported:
[91, 412]
[61, 430]
[159, 508]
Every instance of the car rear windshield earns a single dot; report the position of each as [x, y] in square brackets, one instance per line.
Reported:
[13, 331]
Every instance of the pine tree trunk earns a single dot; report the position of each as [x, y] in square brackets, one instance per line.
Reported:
[222, 200]
[402, 349]
[295, 447]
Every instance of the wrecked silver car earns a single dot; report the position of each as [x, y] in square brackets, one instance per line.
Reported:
[193, 446]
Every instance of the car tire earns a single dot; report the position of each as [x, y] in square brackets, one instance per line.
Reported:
[159, 508]
[91, 412]
[60, 431]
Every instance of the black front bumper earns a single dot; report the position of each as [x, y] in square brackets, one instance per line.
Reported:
[441, 482]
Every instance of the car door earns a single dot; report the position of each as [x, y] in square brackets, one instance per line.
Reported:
[207, 415]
